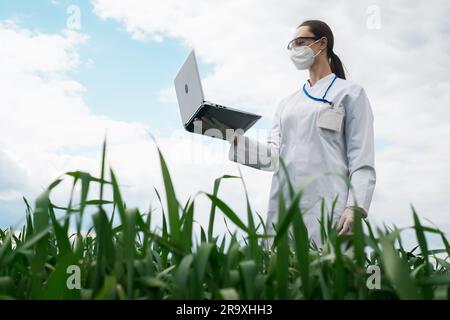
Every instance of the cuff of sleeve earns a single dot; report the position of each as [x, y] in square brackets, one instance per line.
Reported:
[351, 203]
[361, 209]
[250, 152]
[363, 184]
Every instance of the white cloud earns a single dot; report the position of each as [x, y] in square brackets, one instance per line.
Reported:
[43, 117]
[32, 89]
[13, 176]
[403, 66]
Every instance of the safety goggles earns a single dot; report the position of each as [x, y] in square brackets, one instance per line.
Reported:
[299, 41]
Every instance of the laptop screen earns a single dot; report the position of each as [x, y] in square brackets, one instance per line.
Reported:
[188, 88]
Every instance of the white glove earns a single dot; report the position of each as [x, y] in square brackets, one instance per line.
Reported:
[345, 225]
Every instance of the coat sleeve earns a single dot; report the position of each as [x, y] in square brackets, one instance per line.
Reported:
[359, 135]
[257, 154]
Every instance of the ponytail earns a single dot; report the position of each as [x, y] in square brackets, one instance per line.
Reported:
[321, 29]
[336, 65]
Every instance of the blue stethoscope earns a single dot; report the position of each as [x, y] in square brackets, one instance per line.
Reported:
[323, 98]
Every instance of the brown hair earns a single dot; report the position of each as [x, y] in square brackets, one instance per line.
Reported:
[321, 29]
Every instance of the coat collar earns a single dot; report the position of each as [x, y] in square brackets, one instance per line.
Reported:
[320, 82]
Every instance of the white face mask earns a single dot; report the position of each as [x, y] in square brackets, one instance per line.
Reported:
[303, 56]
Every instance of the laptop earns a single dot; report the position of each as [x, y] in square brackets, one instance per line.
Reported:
[193, 105]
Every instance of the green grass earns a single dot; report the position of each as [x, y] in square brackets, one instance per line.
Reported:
[123, 256]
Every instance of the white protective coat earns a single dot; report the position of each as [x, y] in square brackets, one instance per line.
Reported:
[307, 149]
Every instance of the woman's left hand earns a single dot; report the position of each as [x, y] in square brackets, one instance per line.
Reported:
[345, 225]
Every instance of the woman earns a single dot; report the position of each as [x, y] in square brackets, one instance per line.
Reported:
[324, 127]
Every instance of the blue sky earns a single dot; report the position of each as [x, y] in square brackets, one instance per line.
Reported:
[126, 76]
